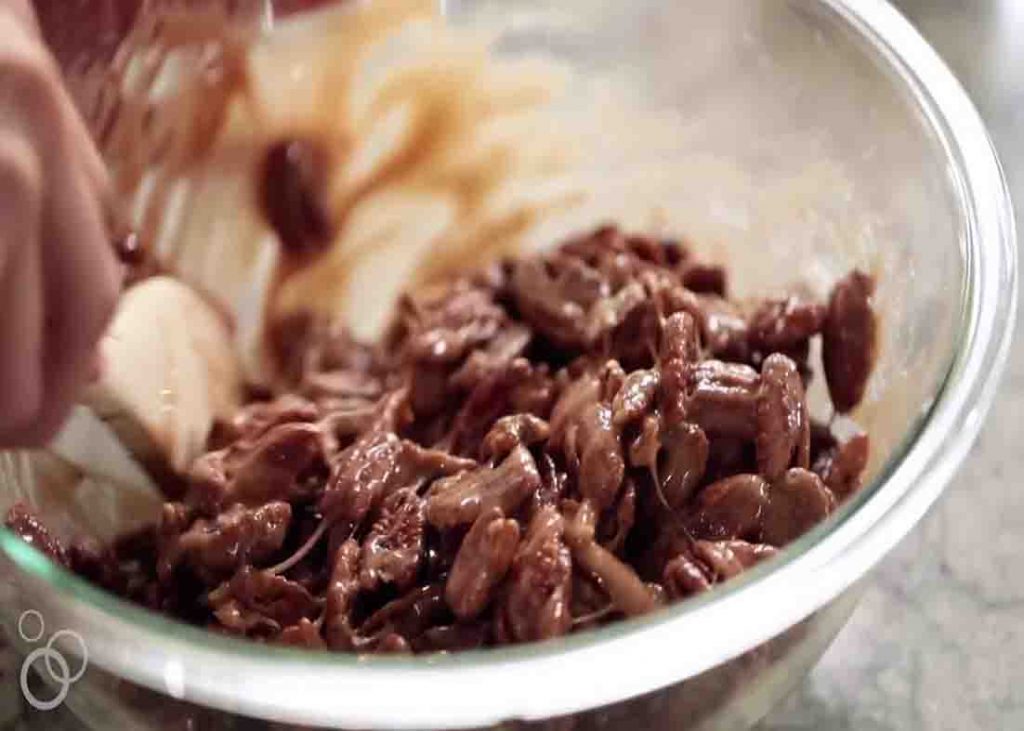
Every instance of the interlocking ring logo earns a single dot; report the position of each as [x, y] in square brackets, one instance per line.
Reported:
[31, 628]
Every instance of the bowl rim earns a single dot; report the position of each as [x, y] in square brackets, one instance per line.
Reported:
[500, 684]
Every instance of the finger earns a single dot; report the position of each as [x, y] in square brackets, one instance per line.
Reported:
[34, 93]
[22, 12]
[21, 297]
[83, 141]
[83, 144]
[49, 327]
[81, 286]
[69, 114]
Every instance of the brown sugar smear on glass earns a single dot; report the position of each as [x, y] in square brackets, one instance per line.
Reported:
[218, 117]
[550, 444]
[111, 52]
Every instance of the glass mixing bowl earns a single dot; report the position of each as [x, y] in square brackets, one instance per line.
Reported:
[810, 136]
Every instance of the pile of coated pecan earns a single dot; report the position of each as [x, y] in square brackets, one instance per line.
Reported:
[563, 440]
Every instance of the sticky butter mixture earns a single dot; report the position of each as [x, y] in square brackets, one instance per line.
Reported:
[551, 444]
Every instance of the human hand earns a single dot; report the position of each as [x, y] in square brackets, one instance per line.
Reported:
[59, 279]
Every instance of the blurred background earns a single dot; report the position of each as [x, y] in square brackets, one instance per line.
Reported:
[937, 640]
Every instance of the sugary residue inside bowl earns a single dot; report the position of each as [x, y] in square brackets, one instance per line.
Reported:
[423, 132]
[441, 155]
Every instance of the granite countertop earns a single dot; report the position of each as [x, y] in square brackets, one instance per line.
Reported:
[937, 640]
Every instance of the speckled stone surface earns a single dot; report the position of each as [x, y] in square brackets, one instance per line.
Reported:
[938, 641]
